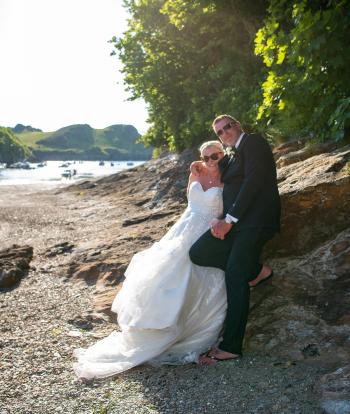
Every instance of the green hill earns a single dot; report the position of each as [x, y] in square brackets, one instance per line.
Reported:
[82, 142]
[11, 149]
[74, 136]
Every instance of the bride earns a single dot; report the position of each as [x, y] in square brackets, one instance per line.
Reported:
[169, 310]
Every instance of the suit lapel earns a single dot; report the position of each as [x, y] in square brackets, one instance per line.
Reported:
[226, 164]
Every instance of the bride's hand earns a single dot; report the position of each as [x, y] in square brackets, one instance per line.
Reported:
[213, 224]
[220, 228]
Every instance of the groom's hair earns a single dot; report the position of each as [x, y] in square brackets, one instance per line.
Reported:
[224, 116]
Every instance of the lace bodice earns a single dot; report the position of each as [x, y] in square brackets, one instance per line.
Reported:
[206, 203]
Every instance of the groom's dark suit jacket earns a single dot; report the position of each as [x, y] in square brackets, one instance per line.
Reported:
[250, 186]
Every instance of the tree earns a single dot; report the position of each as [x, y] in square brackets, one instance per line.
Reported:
[191, 61]
[305, 48]
[11, 150]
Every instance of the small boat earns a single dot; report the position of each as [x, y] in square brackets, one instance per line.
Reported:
[64, 165]
[129, 163]
[21, 165]
[26, 166]
[69, 173]
[101, 163]
[42, 164]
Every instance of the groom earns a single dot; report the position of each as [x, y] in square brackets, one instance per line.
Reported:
[251, 217]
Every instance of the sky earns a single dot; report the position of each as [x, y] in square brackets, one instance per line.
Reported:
[55, 65]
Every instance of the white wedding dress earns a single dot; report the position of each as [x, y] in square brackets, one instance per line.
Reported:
[169, 310]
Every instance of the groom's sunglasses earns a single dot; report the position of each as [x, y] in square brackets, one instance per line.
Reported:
[225, 128]
[214, 156]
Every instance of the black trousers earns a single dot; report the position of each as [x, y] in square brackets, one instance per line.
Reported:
[238, 255]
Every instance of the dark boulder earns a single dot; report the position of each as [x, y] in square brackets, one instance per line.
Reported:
[14, 264]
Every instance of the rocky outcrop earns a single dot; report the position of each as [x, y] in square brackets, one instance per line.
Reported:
[334, 389]
[315, 202]
[296, 151]
[158, 184]
[14, 265]
[303, 313]
[60, 248]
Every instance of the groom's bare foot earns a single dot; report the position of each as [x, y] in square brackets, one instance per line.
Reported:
[220, 355]
[265, 273]
[216, 355]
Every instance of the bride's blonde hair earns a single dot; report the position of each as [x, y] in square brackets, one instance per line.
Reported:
[216, 144]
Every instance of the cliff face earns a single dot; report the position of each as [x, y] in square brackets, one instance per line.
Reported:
[315, 201]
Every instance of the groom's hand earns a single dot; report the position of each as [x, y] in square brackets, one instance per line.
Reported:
[219, 228]
[196, 168]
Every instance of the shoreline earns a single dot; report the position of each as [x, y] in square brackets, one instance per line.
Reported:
[51, 174]
[36, 186]
[39, 185]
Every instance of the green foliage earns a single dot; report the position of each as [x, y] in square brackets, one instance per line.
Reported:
[191, 61]
[20, 128]
[305, 47]
[11, 150]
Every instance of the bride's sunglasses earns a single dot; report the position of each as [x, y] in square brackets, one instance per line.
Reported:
[225, 128]
[214, 156]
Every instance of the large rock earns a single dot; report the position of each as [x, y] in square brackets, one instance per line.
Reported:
[14, 264]
[315, 195]
[305, 311]
[300, 150]
[335, 391]
[156, 184]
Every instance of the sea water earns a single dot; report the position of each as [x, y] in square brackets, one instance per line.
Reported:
[52, 172]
